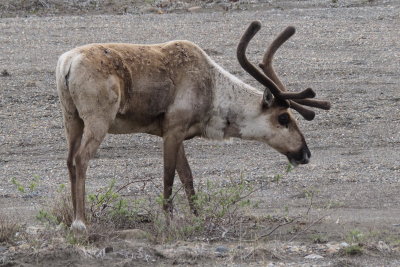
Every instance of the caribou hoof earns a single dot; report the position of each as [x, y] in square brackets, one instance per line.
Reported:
[168, 212]
[78, 227]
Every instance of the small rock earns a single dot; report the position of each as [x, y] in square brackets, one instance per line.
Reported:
[293, 249]
[133, 234]
[4, 73]
[221, 249]
[194, 8]
[383, 247]
[344, 245]
[58, 240]
[30, 84]
[24, 247]
[164, 4]
[102, 252]
[2, 248]
[154, 10]
[313, 256]
[34, 230]
[332, 249]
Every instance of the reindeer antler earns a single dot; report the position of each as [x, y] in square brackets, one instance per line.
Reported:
[270, 79]
[257, 74]
[266, 66]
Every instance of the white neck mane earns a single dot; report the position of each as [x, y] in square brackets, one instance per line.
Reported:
[234, 103]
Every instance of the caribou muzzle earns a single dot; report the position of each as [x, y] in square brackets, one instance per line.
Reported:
[300, 157]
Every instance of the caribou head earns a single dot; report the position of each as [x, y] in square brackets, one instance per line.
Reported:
[285, 135]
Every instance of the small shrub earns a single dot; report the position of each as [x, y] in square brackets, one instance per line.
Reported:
[355, 236]
[353, 250]
[107, 206]
[319, 239]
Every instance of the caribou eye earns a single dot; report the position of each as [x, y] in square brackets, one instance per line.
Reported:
[284, 119]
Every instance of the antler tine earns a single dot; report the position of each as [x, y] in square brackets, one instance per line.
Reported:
[253, 28]
[322, 104]
[266, 64]
[307, 114]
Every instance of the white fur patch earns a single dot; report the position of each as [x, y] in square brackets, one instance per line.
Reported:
[78, 226]
[256, 129]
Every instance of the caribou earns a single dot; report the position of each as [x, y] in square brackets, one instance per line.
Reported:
[173, 90]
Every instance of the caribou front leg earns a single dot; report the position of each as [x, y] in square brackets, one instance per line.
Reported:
[172, 142]
[186, 177]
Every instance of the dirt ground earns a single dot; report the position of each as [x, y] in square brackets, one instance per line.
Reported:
[347, 51]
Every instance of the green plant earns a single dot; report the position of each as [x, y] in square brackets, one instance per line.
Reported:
[215, 202]
[353, 250]
[355, 236]
[278, 177]
[46, 217]
[61, 189]
[31, 187]
[319, 239]
[34, 184]
[333, 204]
[60, 211]
[108, 205]
[18, 185]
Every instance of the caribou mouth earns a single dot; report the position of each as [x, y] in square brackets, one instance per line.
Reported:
[301, 157]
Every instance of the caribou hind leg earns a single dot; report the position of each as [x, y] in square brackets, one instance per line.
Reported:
[95, 130]
[74, 131]
[90, 106]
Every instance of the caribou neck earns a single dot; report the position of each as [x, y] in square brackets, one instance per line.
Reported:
[235, 105]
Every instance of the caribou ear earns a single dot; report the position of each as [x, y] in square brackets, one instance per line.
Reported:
[268, 98]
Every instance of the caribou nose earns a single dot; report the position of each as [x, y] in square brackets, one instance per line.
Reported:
[307, 152]
[306, 155]
[300, 157]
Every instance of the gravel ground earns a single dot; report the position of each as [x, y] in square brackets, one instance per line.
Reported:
[349, 54]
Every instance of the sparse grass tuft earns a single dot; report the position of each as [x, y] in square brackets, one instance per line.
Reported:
[60, 211]
[319, 239]
[355, 236]
[353, 250]
[8, 229]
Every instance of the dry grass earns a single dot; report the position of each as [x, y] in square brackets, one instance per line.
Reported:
[62, 209]
[8, 229]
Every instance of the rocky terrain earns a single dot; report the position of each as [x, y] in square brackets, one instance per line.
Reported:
[343, 206]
